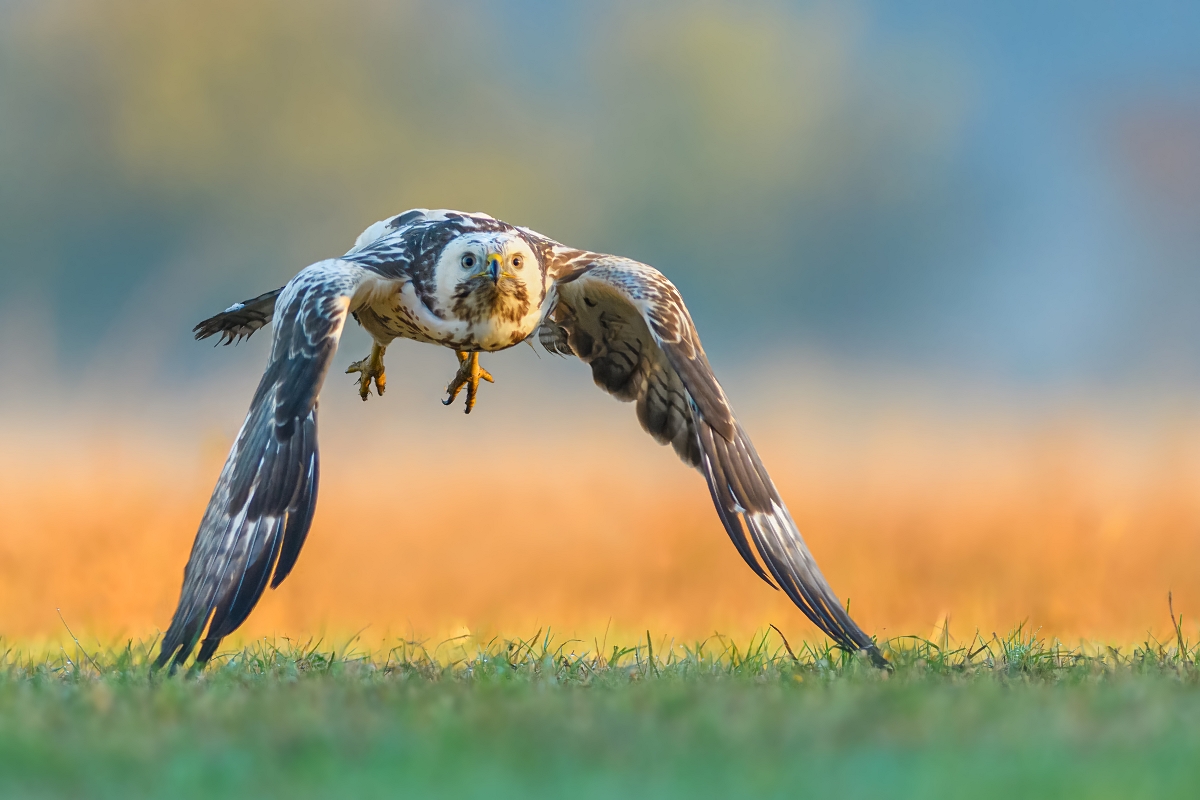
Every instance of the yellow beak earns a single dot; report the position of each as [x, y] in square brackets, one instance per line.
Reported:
[494, 268]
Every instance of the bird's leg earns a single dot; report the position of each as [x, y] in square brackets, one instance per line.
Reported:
[469, 374]
[370, 368]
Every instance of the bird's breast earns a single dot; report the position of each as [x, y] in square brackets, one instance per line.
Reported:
[469, 323]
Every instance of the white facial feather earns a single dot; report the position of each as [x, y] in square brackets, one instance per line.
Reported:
[474, 310]
[450, 270]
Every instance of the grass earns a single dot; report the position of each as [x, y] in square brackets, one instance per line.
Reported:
[1009, 716]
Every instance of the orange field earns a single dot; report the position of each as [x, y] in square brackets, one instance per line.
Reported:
[431, 524]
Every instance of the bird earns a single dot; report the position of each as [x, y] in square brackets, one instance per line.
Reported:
[474, 284]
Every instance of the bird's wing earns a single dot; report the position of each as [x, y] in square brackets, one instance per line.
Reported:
[240, 320]
[629, 323]
[388, 245]
[260, 511]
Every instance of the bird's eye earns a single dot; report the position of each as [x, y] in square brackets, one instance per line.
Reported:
[468, 261]
[516, 262]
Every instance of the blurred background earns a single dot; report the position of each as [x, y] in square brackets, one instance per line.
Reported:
[944, 257]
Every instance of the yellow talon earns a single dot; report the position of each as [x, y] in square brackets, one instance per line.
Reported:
[370, 368]
[469, 374]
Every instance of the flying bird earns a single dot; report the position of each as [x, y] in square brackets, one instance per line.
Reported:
[473, 284]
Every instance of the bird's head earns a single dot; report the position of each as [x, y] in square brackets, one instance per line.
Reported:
[485, 274]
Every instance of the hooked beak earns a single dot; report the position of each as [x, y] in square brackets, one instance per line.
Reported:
[493, 267]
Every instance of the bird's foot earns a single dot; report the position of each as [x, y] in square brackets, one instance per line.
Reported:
[370, 368]
[469, 375]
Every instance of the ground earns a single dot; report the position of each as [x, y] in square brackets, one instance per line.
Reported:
[1013, 717]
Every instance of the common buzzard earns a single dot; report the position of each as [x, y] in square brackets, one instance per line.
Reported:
[471, 283]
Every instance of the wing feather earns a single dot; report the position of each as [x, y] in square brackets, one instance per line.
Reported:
[262, 506]
[629, 323]
[240, 320]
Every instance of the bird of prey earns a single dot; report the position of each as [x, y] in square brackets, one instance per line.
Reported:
[474, 284]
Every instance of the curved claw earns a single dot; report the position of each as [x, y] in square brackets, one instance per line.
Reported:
[469, 374]
[370, 368]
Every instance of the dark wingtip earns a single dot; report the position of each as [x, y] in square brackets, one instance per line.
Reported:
[233, 321]
[877, 658]
[208, 327]
[172, 654]
[164, 655]
[207, 649]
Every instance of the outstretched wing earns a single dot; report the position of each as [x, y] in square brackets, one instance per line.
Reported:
[628, 322]
[261, 509]
[240, 320]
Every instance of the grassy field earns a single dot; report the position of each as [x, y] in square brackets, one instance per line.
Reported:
[1081, 525]
[1008, 717]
